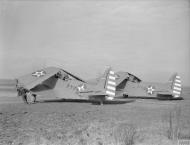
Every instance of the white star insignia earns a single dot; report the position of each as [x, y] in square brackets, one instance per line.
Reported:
[39, 73]
[150, 90]
[81, 88]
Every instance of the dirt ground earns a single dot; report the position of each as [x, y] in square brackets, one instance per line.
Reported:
[140, 122]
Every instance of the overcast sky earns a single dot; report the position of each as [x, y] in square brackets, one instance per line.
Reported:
[150, 38]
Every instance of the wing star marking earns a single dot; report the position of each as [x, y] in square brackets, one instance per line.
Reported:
[39, 73]
[81, 88]
[150, 90]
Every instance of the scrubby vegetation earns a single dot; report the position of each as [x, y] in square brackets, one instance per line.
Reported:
[125, 134]
[177, 124]
[138, 123]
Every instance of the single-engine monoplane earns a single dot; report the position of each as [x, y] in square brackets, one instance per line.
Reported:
[128, 85]
[62, 84]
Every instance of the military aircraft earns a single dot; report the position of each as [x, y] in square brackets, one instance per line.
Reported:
[62, 84]
[128, 85]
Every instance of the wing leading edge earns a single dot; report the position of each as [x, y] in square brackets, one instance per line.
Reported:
[29, 81]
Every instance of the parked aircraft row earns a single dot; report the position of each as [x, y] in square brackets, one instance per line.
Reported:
[108, 87]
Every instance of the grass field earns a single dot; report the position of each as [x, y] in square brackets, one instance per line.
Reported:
[142, 122]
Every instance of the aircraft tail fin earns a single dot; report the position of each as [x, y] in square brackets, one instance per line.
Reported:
[176, 85]
[107, 83]
[110, 84]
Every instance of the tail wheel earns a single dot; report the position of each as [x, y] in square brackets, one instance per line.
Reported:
[30, 98]
[101, 102]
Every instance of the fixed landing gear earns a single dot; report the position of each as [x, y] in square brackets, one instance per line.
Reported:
[29, 98]
[26, 95]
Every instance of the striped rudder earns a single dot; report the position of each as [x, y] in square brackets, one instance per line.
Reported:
[110, 85]
[176, 87]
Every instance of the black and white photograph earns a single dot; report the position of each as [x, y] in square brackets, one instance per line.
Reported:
[94, 72]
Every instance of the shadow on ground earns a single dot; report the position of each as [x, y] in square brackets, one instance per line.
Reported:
[85, 101]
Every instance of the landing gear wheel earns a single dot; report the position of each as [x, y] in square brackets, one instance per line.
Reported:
[24, 99]
[125, 96]
[30, 98]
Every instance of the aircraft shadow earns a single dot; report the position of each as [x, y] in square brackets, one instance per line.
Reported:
[85, 101]
[142, 97]
[152, 98]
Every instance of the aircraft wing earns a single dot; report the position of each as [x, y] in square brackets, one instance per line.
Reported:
[120, 77]
[74, 76]
[29, 81]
